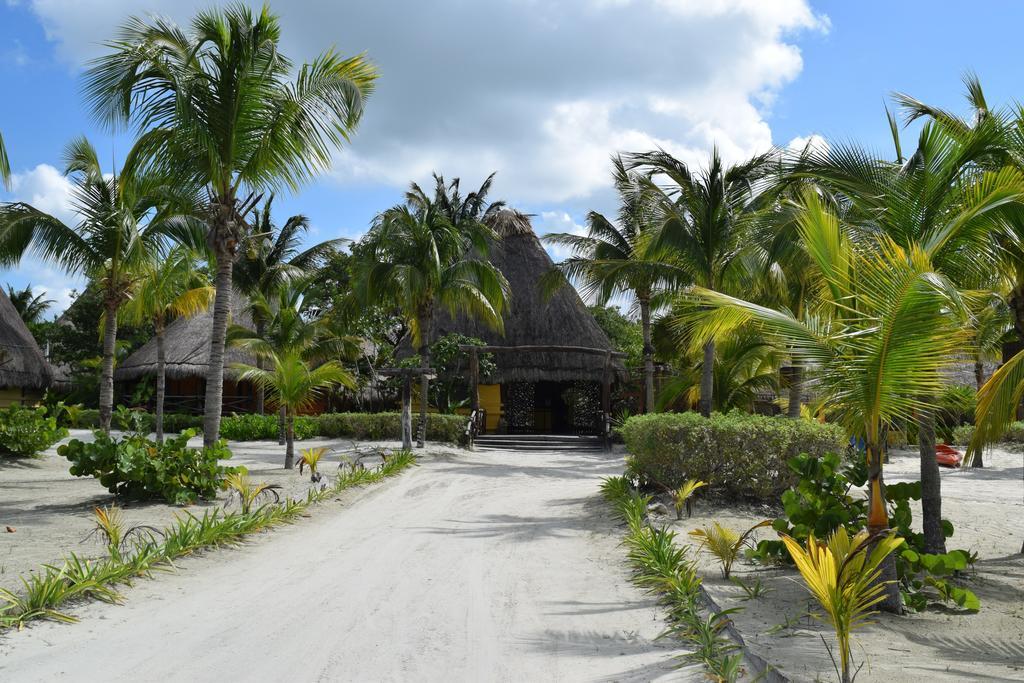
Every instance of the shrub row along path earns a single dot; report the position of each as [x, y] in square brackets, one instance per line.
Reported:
[496, 566]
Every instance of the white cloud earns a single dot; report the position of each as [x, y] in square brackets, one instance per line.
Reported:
[45, 188]
[813, 142]
[543, 93]
[557, 221]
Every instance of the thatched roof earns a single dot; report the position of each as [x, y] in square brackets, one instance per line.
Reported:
[187, 347]
[22, 364]
[532, 319]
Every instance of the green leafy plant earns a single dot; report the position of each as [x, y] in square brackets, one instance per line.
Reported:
[725, 543]
[135, 467]
[28, 431]
[247, 492]
[843, 576]
[823, 500]
[682, 497]
[752, 591]
[310, 457]
[111, 528]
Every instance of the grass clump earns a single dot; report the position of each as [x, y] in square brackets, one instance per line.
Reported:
[663, 568]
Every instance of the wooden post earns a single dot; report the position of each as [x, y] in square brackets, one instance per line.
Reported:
[474, 380]
[606, 400]
[407, 413]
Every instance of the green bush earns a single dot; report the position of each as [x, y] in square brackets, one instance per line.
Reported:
[824, 498]
[138, 468]
[382, 426]
[1015, 434]
[28, 431]
[254, 427]
[741, 456]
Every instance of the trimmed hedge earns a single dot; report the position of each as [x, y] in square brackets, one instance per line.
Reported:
[379, 426]
[1014, 434]
[252, 427]
[741, 456]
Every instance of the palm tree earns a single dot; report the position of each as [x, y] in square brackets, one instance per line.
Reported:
[295, 386]
[216, 108]
[5, 165]
[883, 333]
[704, 218]
[943, 201]
[618, 257]
[167, 288]
[415, 259]
[273, 259]
[746, 365]
[117, 234]
[29, 306]
[290, 326]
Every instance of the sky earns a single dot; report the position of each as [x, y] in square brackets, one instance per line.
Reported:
[541, 91]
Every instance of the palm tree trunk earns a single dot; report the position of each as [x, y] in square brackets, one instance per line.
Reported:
[796, 386]
[161, 381]
[645, 322]
[931, 485]
[424, 324]
[215, 373]
[281, 428]
[707, 379]
[107, 372]
[261, 393]
[878, 524]
[289, 451]
[979, 373]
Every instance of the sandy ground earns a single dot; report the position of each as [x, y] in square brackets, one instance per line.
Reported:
[492, 566]
[52, 511]
[941, 644]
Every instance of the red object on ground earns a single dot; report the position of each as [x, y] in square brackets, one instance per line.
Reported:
[947, 456]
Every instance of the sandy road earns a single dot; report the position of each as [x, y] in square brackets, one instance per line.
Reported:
[486, 567]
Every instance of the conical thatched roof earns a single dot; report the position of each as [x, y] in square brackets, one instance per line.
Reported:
[22, 364]
[533, 319]
[187, 347]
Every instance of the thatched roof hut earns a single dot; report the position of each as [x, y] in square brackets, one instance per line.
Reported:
[22, 364]
[187, 347]
[533, 319]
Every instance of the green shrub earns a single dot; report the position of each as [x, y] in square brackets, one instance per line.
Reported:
[254, 427]
[138, 468]
[28, 431]
[823, 500]
[1014, 434]
[740, 456]
[383, 426]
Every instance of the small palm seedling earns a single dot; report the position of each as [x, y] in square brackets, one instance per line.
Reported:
[110, 528]
[843, 575]
[248, 492]
[43, 592]
[752, 591]
[710, 646]
[723, 543]
[311, 458]
[682, 497]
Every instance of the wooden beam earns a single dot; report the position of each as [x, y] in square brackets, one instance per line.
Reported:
[474, 379]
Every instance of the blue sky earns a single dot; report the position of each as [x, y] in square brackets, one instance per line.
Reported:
[542, 92]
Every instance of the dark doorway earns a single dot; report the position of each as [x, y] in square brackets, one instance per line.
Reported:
[552, 407]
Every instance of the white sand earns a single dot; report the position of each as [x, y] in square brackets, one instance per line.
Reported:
[941, 644]
[479, 567]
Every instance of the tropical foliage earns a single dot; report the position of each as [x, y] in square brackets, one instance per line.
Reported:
[219, 106]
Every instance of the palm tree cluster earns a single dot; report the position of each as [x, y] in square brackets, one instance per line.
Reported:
[222, 118]
[869, 277]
